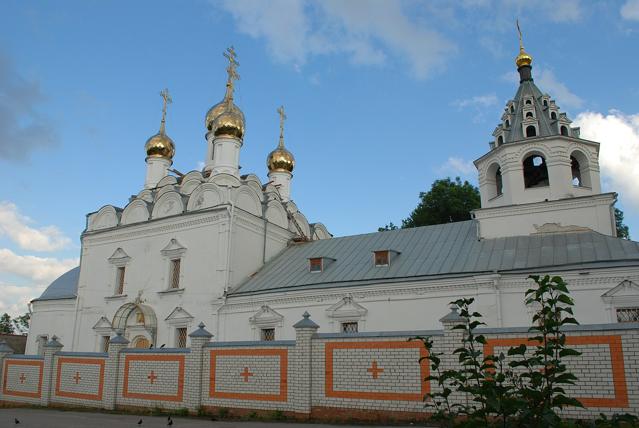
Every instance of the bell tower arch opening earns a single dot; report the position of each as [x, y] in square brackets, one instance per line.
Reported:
[535, 171]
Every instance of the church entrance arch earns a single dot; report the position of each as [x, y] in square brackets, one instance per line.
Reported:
[137, 322]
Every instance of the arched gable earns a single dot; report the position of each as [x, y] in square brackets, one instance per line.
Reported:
[320, 231]
[276, 214]
[225, 180]
[146, 195]
[135, 212]
[169, 179]
[249, 200]
[189, 186]
[164, 189]
[206, 195]
[254, 182]
[106, 217]
[170, 203]
[302, 223]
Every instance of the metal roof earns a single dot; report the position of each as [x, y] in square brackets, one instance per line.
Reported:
[450, 249]
[65, 287]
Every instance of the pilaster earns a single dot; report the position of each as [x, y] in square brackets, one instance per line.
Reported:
[5, 351]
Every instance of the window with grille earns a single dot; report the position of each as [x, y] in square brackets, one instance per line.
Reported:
[315, 264]
[628, 314]
[119, 278]
[382, 258]
[175, 274]
[180, 341]
[268, 334]
[349, 327]
[105, 343]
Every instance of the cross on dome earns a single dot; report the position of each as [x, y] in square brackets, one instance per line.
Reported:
[166, 97]
[283, 117]
[231, 71]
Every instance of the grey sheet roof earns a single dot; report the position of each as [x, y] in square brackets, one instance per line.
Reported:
[65, 287]
[441, 250]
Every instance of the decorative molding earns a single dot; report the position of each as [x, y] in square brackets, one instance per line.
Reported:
[173, 249]
[346, 309]
[266, 318]
[119, 257]
[179, 317]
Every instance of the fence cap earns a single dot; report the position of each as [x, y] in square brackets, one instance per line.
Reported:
[201, 332]
[4, 347]
[119, 339]
[53, 343]
[452, 316]
[306, 322]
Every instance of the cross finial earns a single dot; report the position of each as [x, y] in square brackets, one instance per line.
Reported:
[166, 97]
[280, 111]
[232, 71]
[521, 42]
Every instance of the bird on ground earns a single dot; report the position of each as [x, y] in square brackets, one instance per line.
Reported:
[16, 421]
[140, 421]
[170, 422]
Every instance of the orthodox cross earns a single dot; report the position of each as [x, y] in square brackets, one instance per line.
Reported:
[280, 110]
[231, 70]
[167, 100]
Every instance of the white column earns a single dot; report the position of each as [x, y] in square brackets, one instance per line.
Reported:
[223, 155]
[156, 170]
[282, 180]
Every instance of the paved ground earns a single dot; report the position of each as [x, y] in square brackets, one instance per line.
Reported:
[42, 418]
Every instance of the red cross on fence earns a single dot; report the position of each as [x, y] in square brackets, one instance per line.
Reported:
[245, 374]
[77, 377]
[152, 376]
[22, 378]
[374, 370]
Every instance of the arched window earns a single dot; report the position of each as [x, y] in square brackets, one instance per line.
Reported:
[545, 103]
[553, 115]
[507, 123]
[531, 131]
[494, 184]
[535, 171]
[564, 131]
[499, 185]
[500, 141]
[512, 109]
[528, 102]
[529, 114]
[576, 171]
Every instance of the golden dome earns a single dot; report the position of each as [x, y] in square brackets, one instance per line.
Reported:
[230, 122]
[281, 160]
[213, 113]
[523, 58]
[160, 146]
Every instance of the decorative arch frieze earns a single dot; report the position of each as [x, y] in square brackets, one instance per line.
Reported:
[170, 203]
[108, 216]
[276, 214]
[249, 200]
[206, 195]
[169, 179]
[225, 180]
[135, 212]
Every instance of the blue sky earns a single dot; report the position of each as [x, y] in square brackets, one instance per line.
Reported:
[382, 98]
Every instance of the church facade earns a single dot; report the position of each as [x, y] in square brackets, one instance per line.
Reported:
[225, 249]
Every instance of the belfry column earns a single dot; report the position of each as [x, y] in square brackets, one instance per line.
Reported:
[159, 150]
[225, 125]
[280, 163]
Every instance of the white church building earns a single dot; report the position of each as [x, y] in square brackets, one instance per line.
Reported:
[239, 255]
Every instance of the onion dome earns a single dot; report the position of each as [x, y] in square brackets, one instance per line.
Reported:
[225, 118]
[160, 145]
[280, 159]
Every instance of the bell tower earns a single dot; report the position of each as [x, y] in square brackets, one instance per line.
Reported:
[539, 176]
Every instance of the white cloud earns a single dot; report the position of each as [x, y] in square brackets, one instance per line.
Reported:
[458, 166]
[38, 269]
[476, 101]
[16, 227]
[547, 82]
[15, 298]
[618, 134]
[368, 32]
[630, 10]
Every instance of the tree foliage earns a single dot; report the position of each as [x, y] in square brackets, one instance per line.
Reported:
[6, 325]
[18, 324]
[446, 201]
[622, 229]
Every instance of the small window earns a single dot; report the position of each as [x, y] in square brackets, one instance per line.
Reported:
[175, 274]
[349, 327]
[315, 264]
[528, 102]
[500, 141]
[507, 123]
[529, 114]
[545, 103]
[531, 131]
[180, 337]
[553, 115]
[499, 182]
[564, 131]
[119, 280]
[512, 108]
[382, 258]
[628, 314]
[104, 346]
[267, 334]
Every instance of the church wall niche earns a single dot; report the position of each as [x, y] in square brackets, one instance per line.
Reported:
[206, 195]
[135, 212]
[168, 204]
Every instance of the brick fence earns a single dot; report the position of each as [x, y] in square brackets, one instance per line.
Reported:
[321, 376]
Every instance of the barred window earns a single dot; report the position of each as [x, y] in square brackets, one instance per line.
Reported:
[180, 341]
[628, 314]
[119, 289]
[268, 334]
[349, 327]
[175, 274]
[105, 343]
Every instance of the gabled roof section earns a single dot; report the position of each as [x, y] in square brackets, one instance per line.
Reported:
[437, 251]
[65, 287]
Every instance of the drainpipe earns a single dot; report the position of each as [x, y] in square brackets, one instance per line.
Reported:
[496, 283]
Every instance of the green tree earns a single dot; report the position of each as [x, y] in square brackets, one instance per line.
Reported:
[445, 202]
[21, 323]
[6, 324]
[622, 229]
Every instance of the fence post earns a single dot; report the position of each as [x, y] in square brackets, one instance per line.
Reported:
[301, 388]
[50, 349]
[195, 367]
[112, 370]
[451, 340]
[5, 351]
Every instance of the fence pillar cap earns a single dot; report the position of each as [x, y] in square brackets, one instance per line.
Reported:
[306, 322]
[201, 332]
[5, 348]
[119, 339]
[452, 316]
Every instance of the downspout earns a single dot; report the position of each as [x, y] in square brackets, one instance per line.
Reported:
[228, 266]
[496, 283]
